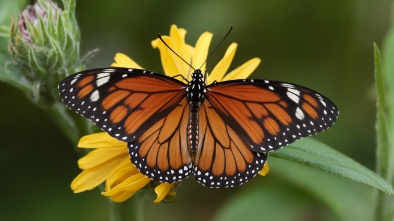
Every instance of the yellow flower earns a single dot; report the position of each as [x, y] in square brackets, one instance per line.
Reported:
[110, 160]
[172, 65]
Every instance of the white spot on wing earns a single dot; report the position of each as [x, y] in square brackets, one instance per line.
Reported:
[293, 95]
[299, 113]
[102, 78]
[287, 85]
[322, 102]
[94, 96]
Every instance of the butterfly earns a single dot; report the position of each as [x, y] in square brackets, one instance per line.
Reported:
[220, 133]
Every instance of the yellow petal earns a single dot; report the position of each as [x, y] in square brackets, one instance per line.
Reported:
[134, 182]
[184, 50]
[162, 190]
[265, 169]
[178, 37]
[112, 192]
[131, 184]
[101, 156]
[243, 71]
[118, 194]
[126, 163]
[221, 68]
[186, 53]
[123, 171]
[122, 60]
[100, 140]
[201, 51]
[170, 66]
[122, 196]
[92, 177]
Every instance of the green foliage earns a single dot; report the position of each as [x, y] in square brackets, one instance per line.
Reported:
[9, 10]
[347, 199]
[44, 47]
[246, 204]
[385, 84]
[384, 78]
[315, 154]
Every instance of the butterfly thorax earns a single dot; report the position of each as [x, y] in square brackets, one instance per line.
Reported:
[195, 93]
[195, 90]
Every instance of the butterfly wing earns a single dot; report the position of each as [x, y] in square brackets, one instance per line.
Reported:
[223, 159]
[268, 115]
[161, 152]
[123, 102]
[146, 109]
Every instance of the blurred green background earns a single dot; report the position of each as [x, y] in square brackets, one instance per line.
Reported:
[324, 45]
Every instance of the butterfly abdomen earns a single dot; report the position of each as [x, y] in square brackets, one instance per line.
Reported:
[192, 130]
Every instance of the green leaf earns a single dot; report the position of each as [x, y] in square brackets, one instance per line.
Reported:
[388, 58]
[382, 132]
[384, 74]
[315, 154]
[381, 129]
[9, 9]
[388, 53]
[301, 190]
[347, 199]
[277, 202]
[381, 118]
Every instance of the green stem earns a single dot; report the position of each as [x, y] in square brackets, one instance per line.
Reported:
[74, 127]
[378, 216]
[383, 131]
[65, 122]
[130, 210]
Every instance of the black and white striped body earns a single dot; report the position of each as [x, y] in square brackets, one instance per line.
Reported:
[195, 93]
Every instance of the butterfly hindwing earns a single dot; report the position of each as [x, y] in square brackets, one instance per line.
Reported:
[121, 101]
[268, 115]
[223, 159]
[161, 151]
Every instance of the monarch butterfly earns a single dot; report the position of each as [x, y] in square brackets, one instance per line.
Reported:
[220, 133]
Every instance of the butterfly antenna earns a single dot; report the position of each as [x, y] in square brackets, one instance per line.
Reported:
[161, 39]
[217, 46]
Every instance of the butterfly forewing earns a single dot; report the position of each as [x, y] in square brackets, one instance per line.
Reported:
[268, 115]
[122, 101]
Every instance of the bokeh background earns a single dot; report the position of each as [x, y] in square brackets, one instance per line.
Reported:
[324, 45]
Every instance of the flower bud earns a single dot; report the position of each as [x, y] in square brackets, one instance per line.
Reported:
[44, 47]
